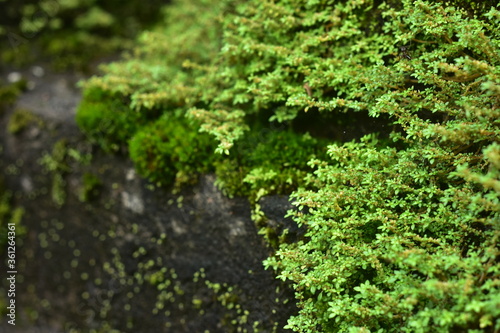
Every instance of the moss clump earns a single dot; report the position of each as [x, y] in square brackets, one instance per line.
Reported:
[171, 149]
[90, 187]
[8, 214]
[106, 119]
[20, 119]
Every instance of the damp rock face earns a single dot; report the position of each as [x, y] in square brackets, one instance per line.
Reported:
[105, 251]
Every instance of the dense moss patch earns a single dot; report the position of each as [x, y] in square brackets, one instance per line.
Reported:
[106, 119]
[170, 149]
[402, 227]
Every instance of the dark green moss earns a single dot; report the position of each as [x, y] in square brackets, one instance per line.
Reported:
[90, 187]
[56, 163]
[271, 160]
[106, 119]
[171, 150]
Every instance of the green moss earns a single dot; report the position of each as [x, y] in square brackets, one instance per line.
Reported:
[22, 118]
[56, 163]
[397, 227]
[276, 160]
[20, 54]
[10, 222]
[9, 214]
[90, 187]
[168, 150]
[106, 119]
[63, 49]
[270, 235]
[235, 317]
[171, 150]
[58, 190]
[230, 175]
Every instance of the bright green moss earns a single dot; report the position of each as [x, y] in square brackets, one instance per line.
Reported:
[395, 243]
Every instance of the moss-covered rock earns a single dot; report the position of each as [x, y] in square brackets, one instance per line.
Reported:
[106, 119]
[395, 221]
